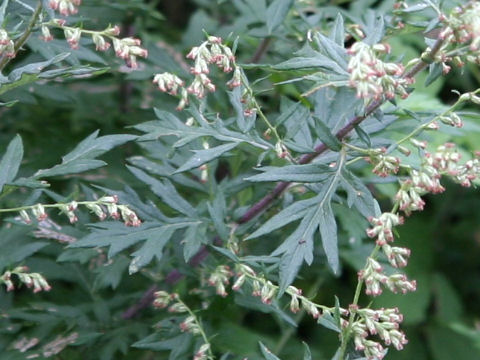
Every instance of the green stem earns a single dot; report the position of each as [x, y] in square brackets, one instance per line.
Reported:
[292, 330]
[289, 291]
[425, 125]
[83, 31]
[200, 328]
[57, 205]
[26, 34]
[346, 334]
[261, 114]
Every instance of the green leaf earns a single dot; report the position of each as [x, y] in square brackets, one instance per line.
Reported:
[192, 242]
[34, 71]
[30, 183]
[290, 112]
[276, 13]
[358, 195]
[82, 157]
[111, 274]
[363, 135]
[119, 237]
[294, 257]
[295, 211]
[338, 31]
[297, 173]
[21, 252]
[170, 125]
[11, 161]
[328, 231]
[3, 8]
[326, 136]
[268, 355]
[303, 63]
[329, 322]
[244, 122]
[166, 191]
[203, 156]
[217, 212]
[434, 72]
[165, 170]
[307, 355]
[298, 247]
[252, 302]
[153, 247]
[157, 342]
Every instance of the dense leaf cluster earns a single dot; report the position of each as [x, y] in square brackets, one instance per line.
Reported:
[246, 196]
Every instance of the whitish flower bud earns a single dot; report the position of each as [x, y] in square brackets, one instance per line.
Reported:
[73, 37]
[236, 78]
[97, 210]
[39, 212]
[6, 278]
[267, 293]
[112, 31]
[100, 43]
[46, 35]
[190, 325]
[177, 308]
[7, 46]
[239, 282]
[399, 282]
[24, 215]
[294, 304]
[405, 151]
[310, 308]
[419, 144]
[129, 217]
[162, 299]
[201, 354]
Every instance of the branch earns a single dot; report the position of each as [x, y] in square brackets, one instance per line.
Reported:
[262, 48]
[261, 205]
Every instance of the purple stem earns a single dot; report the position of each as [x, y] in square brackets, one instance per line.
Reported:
[262, 204]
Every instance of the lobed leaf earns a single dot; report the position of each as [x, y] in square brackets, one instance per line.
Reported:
[10, 162]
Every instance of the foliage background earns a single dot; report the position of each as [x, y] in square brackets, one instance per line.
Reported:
[441, 318]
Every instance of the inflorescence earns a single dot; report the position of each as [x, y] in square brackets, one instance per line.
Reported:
[103, 207]
[210, 52]
[128, 48]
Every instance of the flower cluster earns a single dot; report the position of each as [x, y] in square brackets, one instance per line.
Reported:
[382, 227]
[202, 352]
[65, 7]
[219, 278]
[463, 25]
[35, 280]
[190, 324]
[373, 78]
[267, 291]
[384, 164]
[175, 305]
[7, 47]
[461, 30]
[373, 276]
[382, 230]
[127, 49]
[210, 52]
[103, 207]
[443, 162]
[384, 323]
[58, 344]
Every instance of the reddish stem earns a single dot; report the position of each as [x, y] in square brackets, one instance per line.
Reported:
[261, 205]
